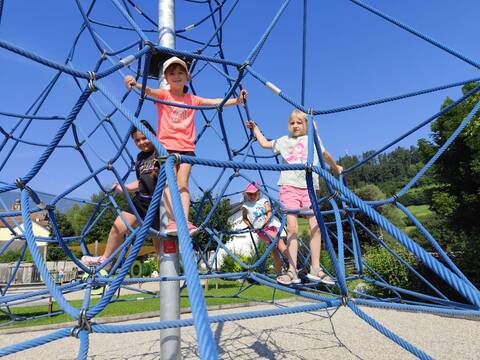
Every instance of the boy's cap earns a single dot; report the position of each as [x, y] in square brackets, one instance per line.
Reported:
[175, 60]
[251, 189]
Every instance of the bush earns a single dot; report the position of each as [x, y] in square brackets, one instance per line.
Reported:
[230, 265]
[390, 269]
[14, 255]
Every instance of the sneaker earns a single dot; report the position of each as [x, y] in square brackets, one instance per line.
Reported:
[192, 228]
[92, 260]
[317, 274]
[288, 279]
[171, 228]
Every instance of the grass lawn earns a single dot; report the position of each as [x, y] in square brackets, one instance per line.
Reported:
[420, 211]
[139, 303]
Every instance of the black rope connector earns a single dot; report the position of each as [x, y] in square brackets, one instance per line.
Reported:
[151, 45]
[20, 184]
[109, 165]
[333, 196]
[344, 300]
[395, 198]
[244, 66]
[92, 77]
[308, 168]
[83, 324]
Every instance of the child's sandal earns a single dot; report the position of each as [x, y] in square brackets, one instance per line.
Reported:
[318, 274]
[288, 279]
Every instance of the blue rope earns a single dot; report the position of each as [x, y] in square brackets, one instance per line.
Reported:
[332, 231]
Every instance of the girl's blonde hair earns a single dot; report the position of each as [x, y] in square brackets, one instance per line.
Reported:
[299, 115]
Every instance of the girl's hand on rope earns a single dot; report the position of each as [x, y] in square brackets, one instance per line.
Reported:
[243, 96]
[129, 81]
[117, 188]
[338, 169]
[250, 124]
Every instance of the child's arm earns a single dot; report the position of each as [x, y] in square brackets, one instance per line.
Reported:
[262, 140]
[268, 210]
[236, 101]
[133, 186]
[329, 159]
[130, 81]
[245, 218]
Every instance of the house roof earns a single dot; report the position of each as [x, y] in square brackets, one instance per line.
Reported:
[41, 218]
[234, 208]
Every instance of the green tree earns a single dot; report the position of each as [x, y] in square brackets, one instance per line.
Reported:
[54, 251]
[79, 216]
[457, 198]
[218, 221]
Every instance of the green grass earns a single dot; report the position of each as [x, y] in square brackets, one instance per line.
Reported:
[302, 225]
[420, 211]
[139, 303]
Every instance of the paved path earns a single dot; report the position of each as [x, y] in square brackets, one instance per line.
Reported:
[298, 336]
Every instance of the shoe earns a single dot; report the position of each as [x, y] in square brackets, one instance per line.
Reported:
[92, 260]
[288, 279]
[192, 228]
[317, 274]
[171, 228]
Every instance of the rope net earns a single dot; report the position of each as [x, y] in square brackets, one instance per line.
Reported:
[95, 127]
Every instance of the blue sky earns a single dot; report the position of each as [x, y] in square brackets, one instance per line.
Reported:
[353, 56]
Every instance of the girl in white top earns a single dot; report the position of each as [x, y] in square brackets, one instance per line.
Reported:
[257, 214]
[294, 194]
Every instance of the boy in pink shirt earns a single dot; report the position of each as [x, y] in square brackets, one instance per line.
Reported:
[176, 128]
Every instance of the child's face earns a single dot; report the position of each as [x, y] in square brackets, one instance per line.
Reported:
[142, 142]
[176, 77]
[252, 197]
[296, 126]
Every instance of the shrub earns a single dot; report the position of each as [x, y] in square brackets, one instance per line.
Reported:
[230, 265]
[390, 269]
[14, 255]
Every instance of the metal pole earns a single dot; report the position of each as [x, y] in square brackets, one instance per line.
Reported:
[169, 263]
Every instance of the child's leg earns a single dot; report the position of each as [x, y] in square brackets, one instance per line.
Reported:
[117, 233]
[292, 243]
[183, 175]
[281, 246]
[156, 245]
[277, 262]
[315, 242]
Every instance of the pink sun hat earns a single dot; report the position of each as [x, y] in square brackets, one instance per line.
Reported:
[251, 188]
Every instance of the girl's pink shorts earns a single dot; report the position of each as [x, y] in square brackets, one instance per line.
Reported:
[294, 198]
[270, 230]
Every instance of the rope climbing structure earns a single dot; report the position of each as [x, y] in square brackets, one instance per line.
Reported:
[100, 112]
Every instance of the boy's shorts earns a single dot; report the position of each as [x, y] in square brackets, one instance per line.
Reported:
[270, 230]
[294, 198]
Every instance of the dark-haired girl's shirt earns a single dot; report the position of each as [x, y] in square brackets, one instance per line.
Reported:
[146, 168]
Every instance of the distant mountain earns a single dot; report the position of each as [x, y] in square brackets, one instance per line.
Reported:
[9, 198]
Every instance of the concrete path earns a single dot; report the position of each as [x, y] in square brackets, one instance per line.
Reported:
[298, 336]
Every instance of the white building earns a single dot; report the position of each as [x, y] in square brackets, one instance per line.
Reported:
[240, 244]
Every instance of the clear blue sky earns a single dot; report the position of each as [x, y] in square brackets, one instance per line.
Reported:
[352, 57]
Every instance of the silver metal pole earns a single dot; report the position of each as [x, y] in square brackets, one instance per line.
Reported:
[169, 263]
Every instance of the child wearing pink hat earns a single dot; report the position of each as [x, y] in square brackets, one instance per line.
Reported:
[176, 128]
[257, 214]
[294, 193]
